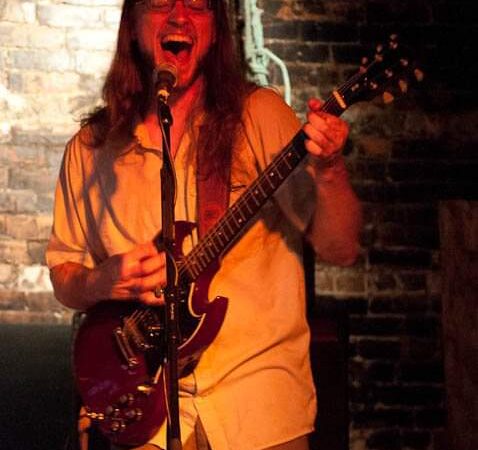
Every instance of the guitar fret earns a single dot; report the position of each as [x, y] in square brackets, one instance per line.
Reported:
[237, 222]
[256, 200]
[220, 240]
[268, 178]
[222, 244]
[259, 190]
[219, 235]
[205, 253]
[242, 218]
[266, 187]
[213, 243]
[236, 211]
[193, 269]
[246, 204]
[199, 262]
[226, 222]
[286, 160]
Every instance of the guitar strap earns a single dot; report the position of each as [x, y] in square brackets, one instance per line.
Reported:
[212, 192]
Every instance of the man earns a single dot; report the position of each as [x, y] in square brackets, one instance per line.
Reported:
[252, 388]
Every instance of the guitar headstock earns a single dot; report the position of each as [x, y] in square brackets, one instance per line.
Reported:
[389, 71]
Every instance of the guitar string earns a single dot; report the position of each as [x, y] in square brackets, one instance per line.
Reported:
[242, 203]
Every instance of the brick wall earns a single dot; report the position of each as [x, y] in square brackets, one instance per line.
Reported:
[403, 158]
[53, 56]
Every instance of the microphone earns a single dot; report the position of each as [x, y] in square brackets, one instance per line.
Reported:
[166, 78]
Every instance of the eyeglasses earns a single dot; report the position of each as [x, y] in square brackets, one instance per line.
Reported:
[168, 5]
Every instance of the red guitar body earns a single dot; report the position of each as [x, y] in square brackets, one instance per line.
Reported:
[119, 351]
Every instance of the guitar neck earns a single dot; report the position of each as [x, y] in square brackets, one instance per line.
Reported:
[222, 235]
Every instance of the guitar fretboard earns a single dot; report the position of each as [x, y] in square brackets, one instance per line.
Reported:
[222, 235]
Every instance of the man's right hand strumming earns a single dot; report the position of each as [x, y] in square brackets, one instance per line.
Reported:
[132, 275]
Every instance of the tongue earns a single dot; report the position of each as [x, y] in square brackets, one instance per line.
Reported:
[178, 52]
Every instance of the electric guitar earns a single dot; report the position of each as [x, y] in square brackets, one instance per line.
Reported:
[119, 349]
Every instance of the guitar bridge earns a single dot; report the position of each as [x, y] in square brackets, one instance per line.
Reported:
[125, 348]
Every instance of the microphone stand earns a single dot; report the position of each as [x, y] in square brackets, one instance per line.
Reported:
[168, 184]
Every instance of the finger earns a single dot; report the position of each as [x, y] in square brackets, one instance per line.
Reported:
[315, 104]
[131, 263]
[317, 137]
[142, 251]
[317, 120]
[148, 283]
[331, 127]
[334, 130]
[313, 148]
[149, 298]
[153, 264]
[122, 290]
[322, 119]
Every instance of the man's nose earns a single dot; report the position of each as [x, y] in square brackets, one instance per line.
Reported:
[179, 13]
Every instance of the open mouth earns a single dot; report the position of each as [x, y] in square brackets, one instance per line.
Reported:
[178, 45]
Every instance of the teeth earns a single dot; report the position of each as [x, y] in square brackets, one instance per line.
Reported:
[177, 38]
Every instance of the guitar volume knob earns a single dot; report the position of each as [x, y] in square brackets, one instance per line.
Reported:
[134, 414]
[126, 399]
[117, 426]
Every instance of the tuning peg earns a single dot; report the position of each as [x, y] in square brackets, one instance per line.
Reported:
[403, 85]
[389, 73]
[364, 61]
[373, 85]
[393, 40]
[393, 44]
[379, 48]
[404, 62]
[419, 75]
[387, 97]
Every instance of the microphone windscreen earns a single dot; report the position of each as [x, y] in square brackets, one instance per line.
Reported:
[167, 74]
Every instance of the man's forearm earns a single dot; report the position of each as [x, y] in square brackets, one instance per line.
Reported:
[70, 284]
[335, 228]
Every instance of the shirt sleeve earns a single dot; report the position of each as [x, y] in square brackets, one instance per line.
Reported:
[68, 242]
[270, 125]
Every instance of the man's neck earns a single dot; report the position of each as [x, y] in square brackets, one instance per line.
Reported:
[182, 104]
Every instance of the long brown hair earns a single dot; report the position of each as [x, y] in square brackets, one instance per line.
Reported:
[126, 91]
